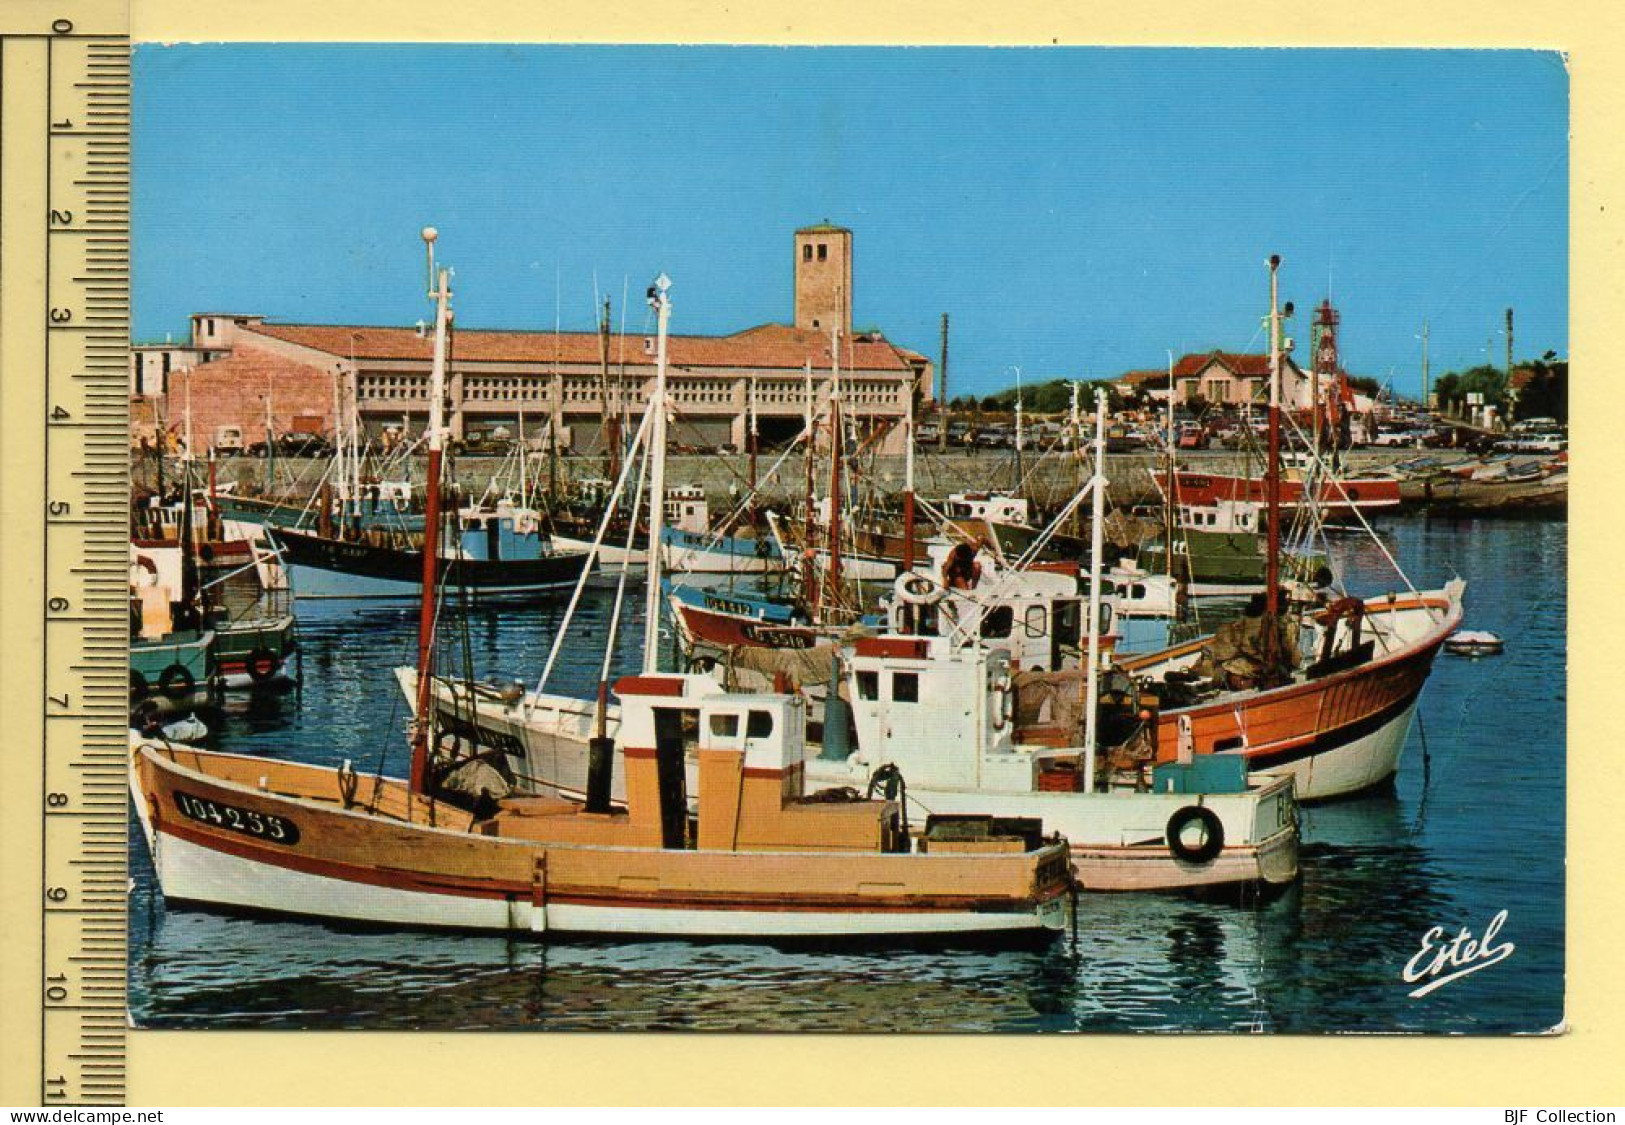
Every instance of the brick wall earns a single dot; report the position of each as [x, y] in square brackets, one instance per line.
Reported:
[232, 392]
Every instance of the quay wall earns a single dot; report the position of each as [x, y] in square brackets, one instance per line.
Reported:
[1049, 480]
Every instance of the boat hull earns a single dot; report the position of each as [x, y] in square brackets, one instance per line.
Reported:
[1336, 735]
[1336, 497]
[330, 568]
[228, 845]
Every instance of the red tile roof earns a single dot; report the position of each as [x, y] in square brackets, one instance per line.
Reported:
[765, 346]
[1238, 363]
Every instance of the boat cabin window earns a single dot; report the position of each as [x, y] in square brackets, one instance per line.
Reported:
[1136, 592]
[725, 726]
[760, 725]
[1068, 623]
[1034, 621]
[997, 621]
[905, 687]
[869, 685]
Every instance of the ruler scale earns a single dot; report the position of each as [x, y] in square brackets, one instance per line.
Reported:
[64, 644]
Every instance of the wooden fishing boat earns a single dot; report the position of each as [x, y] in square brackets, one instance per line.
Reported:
[498, 556]
[1335, 496]
[758, 859]
[1220, 551]
[1337, 722]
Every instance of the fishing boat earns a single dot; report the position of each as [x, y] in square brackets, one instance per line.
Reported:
[1319, 687]
[500, 552]
[1333, 496]
[756, 858]
[1219, 550]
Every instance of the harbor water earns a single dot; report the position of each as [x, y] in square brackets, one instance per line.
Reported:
[1473, 826]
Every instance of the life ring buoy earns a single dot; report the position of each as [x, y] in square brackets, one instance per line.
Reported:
[916, 589]
[138, 684]
[143, 571]
[1212, 842]
[176, 682]
[262, 665]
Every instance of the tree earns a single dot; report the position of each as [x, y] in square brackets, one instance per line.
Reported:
[1546, 395]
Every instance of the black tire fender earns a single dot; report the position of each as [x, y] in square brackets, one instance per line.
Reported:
[1213, 834]
[176, 682]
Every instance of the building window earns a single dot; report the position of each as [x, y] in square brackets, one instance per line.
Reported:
[806, 252]
[905, 687]
[823, 254]
[869, 685]
[211, 326]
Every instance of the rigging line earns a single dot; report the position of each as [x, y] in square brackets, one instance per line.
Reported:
[626, 564]
[1364, 523]
[737, 512]
[592, 556]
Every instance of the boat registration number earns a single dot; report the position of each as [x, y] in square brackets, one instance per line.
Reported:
[728, 605]
[777, 638]
[261, 826]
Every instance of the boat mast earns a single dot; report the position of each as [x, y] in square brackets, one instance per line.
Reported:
[753, 437]
[1169, 504]
[1097, 524]
[836, 440]
[1018, 431]
[440, 293]
[660, 300]
[811, 514]
[1272, 467]
[612, 418]
[908, 477]
[1076, 424]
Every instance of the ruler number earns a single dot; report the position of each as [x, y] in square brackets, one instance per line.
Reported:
[61, 215]
[61, 316]
[56, 988]
[56, 800]
[60, 413]
[61, 27]
[58, 508]
[56, 894]
[56, 1087]
[57, 605]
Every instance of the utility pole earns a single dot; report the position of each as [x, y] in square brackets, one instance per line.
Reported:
[1512, 394]
[942, 395]
[1426, 397]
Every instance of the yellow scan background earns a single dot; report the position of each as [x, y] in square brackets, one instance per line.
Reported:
[1581, 1067]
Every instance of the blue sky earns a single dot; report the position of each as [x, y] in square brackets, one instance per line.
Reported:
[1077, 212]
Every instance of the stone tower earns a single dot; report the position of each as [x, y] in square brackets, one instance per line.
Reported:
[824, 279]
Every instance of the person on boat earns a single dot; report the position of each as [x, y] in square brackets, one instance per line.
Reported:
[961, 570]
